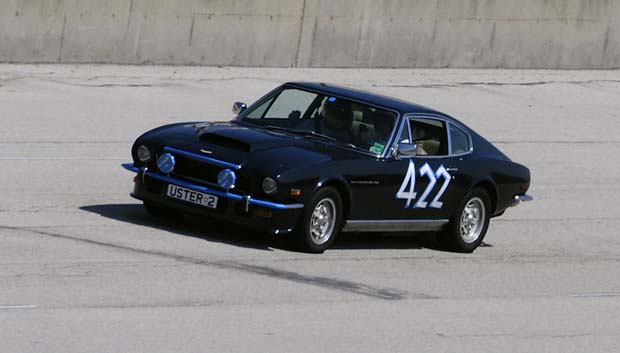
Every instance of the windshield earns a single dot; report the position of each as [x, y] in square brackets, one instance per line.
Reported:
[338, 120]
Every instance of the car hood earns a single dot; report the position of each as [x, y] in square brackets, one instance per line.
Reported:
[254, 149]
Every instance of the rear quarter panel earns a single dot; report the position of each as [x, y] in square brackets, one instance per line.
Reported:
[509, 178]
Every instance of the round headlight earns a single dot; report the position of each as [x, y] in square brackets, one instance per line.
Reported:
[226, 179]
[144, 155]
[165, 163]
[270, 186]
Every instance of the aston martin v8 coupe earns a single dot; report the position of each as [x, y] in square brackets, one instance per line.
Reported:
[311, 160]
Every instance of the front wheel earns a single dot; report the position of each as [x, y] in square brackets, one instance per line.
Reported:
[469, 223]
[320, 222]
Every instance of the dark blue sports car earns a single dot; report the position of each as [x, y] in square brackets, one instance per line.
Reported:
[313, 159]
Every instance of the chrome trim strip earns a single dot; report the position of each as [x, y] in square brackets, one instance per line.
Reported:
[524, 198]
[394, 225]
[237, 197]
[282, 231]
[517, 199]
[449, 135]
[201, 158]
[387, 151]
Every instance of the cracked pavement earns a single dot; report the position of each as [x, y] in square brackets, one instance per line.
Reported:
[84, 269]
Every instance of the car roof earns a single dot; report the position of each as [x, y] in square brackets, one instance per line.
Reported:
[401, 106]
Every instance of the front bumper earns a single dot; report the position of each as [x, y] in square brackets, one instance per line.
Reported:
[263, 215]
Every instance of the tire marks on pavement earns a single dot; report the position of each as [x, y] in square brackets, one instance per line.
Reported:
[317, 281]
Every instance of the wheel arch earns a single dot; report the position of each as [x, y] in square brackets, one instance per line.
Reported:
[341, 185]
[491, 189]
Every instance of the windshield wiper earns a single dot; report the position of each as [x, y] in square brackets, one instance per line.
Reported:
[275, 127]
[330, 139]
[348, 144]
[310, 133]
[300, 132]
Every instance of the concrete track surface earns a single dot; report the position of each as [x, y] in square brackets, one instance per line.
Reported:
[84, 269]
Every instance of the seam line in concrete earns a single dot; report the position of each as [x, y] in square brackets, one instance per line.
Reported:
[301, 27]
[191, 30]
[62, 38]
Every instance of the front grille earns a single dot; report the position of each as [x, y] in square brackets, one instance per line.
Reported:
[202, 170]
[195, 171]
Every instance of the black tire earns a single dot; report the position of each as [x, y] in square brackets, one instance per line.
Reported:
[453, 237]
[161, 212]
[310, 241]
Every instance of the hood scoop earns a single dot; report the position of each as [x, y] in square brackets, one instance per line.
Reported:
[225, 141]
[242, 138]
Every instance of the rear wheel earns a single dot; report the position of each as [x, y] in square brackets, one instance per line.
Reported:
[320, 222]
[161, 212]
[469, 223]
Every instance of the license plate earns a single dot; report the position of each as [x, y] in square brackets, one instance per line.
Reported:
[189, 195]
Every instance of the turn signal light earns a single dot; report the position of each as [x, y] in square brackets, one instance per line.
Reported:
[262, 212]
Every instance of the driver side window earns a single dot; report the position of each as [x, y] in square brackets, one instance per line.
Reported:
[429, 134]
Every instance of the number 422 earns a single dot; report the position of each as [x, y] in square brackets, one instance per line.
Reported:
[407, 188]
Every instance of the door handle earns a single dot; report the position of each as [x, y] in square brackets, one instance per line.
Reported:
[450, 170]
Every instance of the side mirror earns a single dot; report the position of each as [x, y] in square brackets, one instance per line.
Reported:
[406, 150]
[239, 107]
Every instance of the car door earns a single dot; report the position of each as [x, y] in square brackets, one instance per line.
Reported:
[422, 185]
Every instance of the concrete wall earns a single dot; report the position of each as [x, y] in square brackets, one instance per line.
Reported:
[315, 33]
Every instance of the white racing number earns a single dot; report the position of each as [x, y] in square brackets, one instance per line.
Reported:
[439, 173]
[407, 187]
[408, 183]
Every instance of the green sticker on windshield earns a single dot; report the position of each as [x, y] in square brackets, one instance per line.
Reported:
[377, 148]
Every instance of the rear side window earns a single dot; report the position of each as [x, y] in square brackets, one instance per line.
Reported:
[459, 140]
